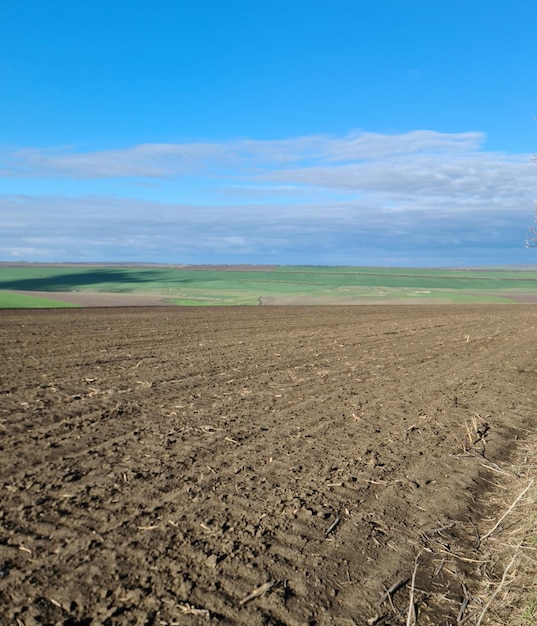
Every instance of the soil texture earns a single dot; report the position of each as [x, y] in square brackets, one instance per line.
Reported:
[254, 465]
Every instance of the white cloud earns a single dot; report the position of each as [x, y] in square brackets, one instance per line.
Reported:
[317, 199]
[143, 161]
[116, 229]
[464, 177]
[373, 146]
[240, 156]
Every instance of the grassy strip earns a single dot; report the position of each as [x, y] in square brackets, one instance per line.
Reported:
[20, 301]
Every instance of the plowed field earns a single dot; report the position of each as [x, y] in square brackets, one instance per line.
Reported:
[157, 466]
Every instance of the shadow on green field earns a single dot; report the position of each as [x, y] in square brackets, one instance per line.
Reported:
[116, 280]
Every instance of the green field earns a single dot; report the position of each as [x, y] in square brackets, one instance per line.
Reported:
[229, 285]
[20, 301]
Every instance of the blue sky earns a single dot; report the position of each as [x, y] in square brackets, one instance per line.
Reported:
[385, 132]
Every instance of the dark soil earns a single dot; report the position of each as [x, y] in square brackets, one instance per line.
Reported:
[101, 299]
[159, 465]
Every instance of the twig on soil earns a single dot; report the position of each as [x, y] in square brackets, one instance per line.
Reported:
[510, 545]
[439, 529]
[495, 485]
[209, 429]
[384, 620]
[439, 567]
[461, 610]
[520, 495]
[469, 433]
[464, 604]
[462, 558]
[231, 440]
[491, 465]
[192, 610]
[393, 589]
[487, 462]
[258, 591]
[332, 526]
[477, 537]
[382, 482]
[411, 615]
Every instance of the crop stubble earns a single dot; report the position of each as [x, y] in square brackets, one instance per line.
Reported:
[253, 465]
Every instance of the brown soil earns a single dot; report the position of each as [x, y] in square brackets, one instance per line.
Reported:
[523, 298]
[99, 299]
[159, 465]
[349, 301]
[235, 268]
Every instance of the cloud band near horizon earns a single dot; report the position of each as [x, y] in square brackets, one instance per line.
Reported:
[390, 198]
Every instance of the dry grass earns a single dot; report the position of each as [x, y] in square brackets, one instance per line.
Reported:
[491, 563]
[508, 594]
